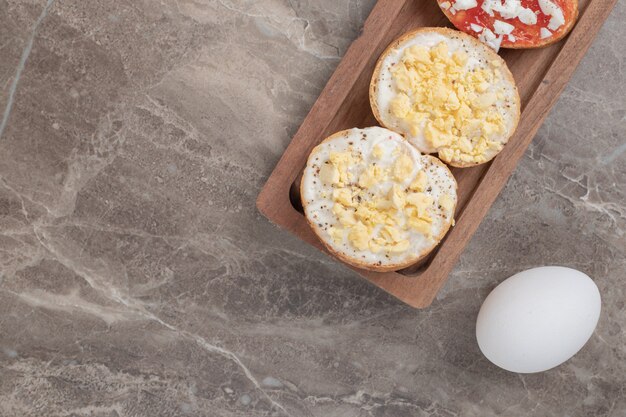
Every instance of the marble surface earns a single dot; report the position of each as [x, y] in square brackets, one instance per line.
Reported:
[138, 279]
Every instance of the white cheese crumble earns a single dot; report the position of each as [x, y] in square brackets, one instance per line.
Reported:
[488, 6]
[509, 9]
[527, 17]
[490, 39]
[465, 4]
[556, 14]
[557, 20]
[502, 28]
[544, 33]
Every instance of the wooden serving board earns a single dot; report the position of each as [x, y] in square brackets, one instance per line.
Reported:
[541, 75]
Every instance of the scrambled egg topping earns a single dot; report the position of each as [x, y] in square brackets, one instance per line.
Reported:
[454, 107]
[370, 219]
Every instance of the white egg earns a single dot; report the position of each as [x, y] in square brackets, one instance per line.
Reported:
[538, 319]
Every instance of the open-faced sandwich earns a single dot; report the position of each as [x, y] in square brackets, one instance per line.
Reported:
[374, 201]
[513, 23]
[447, 93]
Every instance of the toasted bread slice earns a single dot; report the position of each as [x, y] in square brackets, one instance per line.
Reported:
[446, 93]
[534, 24]
[374, 201]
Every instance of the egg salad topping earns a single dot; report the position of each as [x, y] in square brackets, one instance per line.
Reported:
[452, 106]
[370, 220]
[369, 216]
[373, 198]
[371, 193]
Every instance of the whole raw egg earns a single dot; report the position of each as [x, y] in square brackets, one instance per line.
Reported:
[538, 319]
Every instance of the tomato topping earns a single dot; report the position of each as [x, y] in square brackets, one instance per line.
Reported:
[513, 23]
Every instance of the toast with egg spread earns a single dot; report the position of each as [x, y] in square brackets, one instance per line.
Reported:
[446, 93]
[374, 201]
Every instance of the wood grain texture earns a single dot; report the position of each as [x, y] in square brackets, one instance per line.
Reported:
[541, 75]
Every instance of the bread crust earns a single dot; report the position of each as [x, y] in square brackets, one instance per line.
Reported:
[373, 91]
[357, 262]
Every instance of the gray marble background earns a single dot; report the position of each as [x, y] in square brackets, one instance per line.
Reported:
[138, 279]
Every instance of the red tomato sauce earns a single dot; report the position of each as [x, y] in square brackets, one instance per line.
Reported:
[524, 36]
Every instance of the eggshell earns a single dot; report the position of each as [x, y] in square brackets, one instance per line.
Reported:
[538, 319]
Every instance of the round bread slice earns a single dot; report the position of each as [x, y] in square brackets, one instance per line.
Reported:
[374, 201]
[513, 23]
[447, 93]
